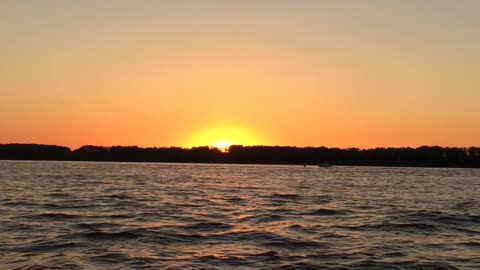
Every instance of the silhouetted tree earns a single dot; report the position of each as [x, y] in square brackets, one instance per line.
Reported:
[429, 156]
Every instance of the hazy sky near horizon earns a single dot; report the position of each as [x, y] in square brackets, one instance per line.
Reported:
[298, 72]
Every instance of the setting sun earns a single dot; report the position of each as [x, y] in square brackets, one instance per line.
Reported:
[223, 137]
[222, 144]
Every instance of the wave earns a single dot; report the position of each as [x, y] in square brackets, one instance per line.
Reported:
[122, 235]
[48, 246]
[292, 244]
[441, 217]
[43, 267]
[68, 205]
[19, 204]
[374, 264]
[286, 196]
[53, 216]
[112, 258]
[470, 244]
[267, 218]
[209, 226]
[389, 226]
[328, 212]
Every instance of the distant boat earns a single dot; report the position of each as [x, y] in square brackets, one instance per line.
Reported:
[324, 165]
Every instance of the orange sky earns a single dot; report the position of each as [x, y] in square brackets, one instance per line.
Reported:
[185, 73]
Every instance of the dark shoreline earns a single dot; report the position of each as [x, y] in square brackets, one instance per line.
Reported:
[425, 156]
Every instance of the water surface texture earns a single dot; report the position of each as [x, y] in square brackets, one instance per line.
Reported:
[73, 215]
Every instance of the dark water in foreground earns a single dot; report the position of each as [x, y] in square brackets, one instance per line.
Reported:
[60, 215]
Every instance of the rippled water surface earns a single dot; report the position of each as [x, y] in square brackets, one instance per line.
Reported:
[67, 215]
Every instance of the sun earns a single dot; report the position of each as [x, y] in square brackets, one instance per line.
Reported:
[223, 137]
[222, 144]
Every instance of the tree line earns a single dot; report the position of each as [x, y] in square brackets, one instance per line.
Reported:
[425, 156]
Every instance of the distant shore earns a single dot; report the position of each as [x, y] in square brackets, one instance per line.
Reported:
[425, 156]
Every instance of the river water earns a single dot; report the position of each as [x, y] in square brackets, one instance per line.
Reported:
[80, 215]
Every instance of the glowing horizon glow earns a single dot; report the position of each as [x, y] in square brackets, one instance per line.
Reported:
[223, 137]
[222, 144]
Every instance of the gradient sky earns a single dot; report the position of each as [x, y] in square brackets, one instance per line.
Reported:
[182, 73]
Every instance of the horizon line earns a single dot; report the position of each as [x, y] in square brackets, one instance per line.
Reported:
[241, 145]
